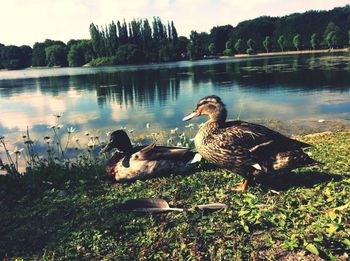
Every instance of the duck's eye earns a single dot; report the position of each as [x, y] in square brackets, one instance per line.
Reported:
[136, 157]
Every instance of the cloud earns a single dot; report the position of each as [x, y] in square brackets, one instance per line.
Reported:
[25, 22]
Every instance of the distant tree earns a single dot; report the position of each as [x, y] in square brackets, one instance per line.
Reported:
[267, 43]
[314, 41]
[38, 55]
[297, 41]
[220, 35]
[26, 60]
[198, 46]
[181, 47]
[332, 39]
[56, 55]
[1, 46]
[228, 52]
[331, 35]
[12, 57]
[191, 51]
[239, 46]
[229, 48]
[97, 41]
[251, 46]
[72, 42]
[229, 45]
[75, 56]
[282, 42]
[128, 54]
[211, 48]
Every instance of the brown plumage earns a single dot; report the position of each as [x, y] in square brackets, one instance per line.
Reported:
[130, 163]
[245, 148]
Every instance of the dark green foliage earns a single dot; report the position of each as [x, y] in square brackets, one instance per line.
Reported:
[239, 46]
[154, 42]
[297, 41]
[26, 60]
[331, 35]
[198, 45]
[212, 48]
[256, 29]
[220, 35]
[314, 41]
[80, 53]
[228, 52]
[229, 45]
[304, 24]
[251, 46]
[56, 55]
[39, 57]
[128, 54]
[14, 57]
[282, 42]
[1, 46]
[267, 43]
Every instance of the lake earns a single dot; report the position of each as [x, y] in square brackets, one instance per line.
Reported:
[304, 91]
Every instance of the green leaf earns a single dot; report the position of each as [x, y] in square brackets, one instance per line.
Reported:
[346, 242]
[311, 248]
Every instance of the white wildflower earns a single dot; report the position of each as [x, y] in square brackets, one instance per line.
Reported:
[16, 151]
[174, 131]
[70, 130]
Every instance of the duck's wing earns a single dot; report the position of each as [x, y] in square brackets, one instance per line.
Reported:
[255, 137]
[153, 152]
[112, 162]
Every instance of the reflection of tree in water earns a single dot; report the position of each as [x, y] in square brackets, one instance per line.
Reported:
[148, 86]
[136, 87]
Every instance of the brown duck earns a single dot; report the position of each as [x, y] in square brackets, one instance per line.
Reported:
[245, 148]
[130, 163]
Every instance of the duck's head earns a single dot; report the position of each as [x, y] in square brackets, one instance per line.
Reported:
[211, 106]
[120, 140]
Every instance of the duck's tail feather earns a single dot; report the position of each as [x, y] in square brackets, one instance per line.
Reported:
[307, 161]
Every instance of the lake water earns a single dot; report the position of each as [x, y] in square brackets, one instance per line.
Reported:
[296, 90]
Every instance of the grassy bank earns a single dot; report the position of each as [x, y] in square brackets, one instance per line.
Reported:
[54, 213]
[344, 50]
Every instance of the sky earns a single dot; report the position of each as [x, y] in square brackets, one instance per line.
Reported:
[30, 21]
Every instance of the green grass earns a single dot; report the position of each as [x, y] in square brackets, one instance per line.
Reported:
[302, 214]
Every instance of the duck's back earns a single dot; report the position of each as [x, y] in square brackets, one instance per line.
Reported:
[143, 163]
[236, 144]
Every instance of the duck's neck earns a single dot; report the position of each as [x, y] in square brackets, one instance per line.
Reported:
[126, 147]
[219, 117]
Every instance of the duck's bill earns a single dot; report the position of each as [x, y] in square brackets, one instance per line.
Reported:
[190, 116]
[107, 148]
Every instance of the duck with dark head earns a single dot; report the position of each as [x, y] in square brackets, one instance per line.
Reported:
[245, 148]
[130, 163]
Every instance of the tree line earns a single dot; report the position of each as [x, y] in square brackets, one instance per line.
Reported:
[143, 41]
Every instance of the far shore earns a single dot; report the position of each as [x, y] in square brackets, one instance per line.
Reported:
[331, 51]
[344, 50]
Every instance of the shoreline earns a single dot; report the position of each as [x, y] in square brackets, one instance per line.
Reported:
[286, 53]
[343, 50]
